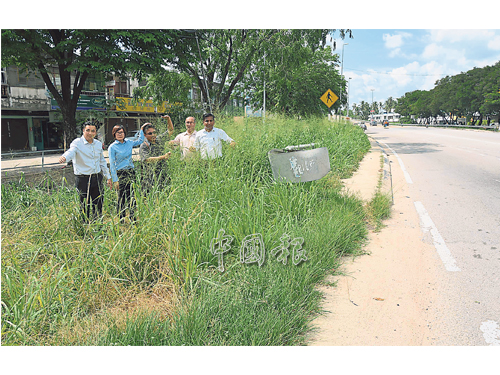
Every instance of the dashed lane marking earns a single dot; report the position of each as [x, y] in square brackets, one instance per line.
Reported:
[427, 225]
[491, 332]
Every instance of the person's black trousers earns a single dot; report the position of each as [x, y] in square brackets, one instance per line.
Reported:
[91, 194]
[125, 194]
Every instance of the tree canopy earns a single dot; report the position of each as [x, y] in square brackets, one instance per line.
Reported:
[294, 85]
[222, 63]
[465, 94]
[228, 63]
[77, 53]
[363, 110]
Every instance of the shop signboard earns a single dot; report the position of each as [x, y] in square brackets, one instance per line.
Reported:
[134, 105]
[85, 102]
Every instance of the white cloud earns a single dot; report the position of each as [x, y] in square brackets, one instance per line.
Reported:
[395, 42]
[431, 51]
[395, 52]
[494, 43]
[442, 53]
[428, 58]
[401, 76]
[454, 36]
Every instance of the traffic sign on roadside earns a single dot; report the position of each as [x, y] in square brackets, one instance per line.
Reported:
[329, 98]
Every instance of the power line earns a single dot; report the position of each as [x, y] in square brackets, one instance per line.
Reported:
[398, 74]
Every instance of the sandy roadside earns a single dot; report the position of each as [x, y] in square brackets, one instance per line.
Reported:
[388, 296]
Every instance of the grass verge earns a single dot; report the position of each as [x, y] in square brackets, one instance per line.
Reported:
[379, 207]
[156, 282]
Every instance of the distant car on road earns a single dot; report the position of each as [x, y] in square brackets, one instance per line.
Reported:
[373, 123]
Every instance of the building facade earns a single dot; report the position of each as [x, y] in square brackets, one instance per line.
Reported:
[389, 116]
[25, 112]
[30, 118]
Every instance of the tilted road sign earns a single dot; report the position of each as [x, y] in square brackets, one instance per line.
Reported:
[329, 98]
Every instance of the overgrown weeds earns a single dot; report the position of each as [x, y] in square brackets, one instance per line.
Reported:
[157, 282]
[379, 207]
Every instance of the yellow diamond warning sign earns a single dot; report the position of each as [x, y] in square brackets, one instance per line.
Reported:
[329, 98]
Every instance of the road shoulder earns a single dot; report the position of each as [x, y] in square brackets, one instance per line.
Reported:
[387, 296]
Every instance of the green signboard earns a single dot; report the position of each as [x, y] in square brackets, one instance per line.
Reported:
[85, 102]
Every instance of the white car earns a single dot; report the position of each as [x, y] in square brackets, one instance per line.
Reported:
[134, 135]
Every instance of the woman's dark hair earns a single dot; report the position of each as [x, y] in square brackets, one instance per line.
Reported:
[117, 128]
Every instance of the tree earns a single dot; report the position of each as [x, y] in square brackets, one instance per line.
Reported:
[220, 60]
[294, 87]
[465, 94]
[365, 110]
[390, 104]
[375, 107]
[77, 53]
[169, 86]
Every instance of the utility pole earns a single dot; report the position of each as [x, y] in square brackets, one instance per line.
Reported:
[342, 73]
[372, 104]
[264, 106]
[348, 93]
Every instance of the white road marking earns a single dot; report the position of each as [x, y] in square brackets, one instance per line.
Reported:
[491, 332]
[463, 138]
[427, 225]
[401, 164]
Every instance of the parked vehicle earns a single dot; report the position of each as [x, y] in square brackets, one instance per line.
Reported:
[134, 135]
[373, 123]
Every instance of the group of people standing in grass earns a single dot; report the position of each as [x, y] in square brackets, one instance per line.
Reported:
[89, 165]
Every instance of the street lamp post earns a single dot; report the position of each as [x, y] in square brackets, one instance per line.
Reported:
[342, 70]
[372, 103]
[348, 93]
[264, 104]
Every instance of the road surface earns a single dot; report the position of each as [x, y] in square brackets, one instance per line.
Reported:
[453, 179]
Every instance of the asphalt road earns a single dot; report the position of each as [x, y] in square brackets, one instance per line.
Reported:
[453, 177]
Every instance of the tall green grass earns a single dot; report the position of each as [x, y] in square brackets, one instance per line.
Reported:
[156, 282]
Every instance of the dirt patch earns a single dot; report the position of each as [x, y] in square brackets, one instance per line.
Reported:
[387, 296]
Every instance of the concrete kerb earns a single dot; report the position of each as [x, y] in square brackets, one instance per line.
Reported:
[370, 176]
[386, 177]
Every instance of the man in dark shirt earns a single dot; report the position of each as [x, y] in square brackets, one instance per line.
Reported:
[153, 156]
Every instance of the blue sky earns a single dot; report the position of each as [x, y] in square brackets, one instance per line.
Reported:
[395, 61]
[425, 40]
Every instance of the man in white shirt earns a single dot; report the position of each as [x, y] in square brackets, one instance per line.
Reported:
[209, 140]
[186, 139]
[88, 163]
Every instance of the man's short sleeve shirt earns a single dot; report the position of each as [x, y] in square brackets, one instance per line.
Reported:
[210, 143]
